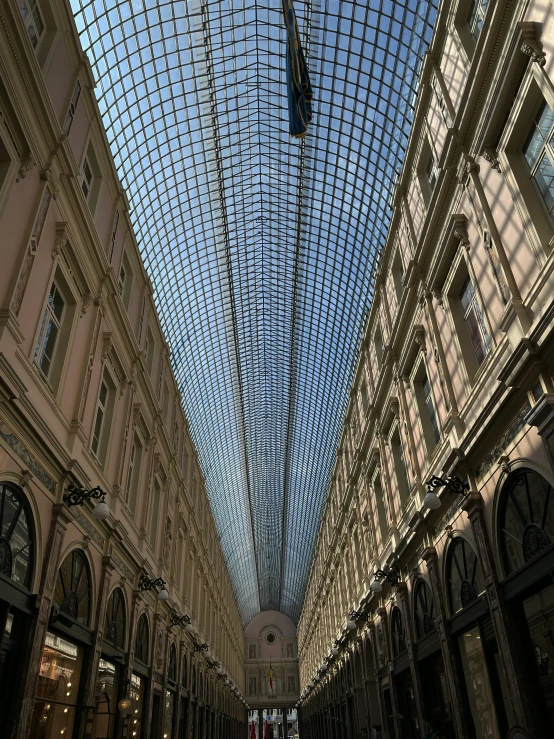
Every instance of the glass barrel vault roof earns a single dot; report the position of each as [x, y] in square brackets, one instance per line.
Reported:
[261, 248]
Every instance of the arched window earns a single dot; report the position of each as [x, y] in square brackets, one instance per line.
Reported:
[424, 609]
[142, 641]
[73, 590]
[115, 619]
[526, 518]
[463, 575]
[172, 667]
[184, 672]
[16, 535]
[397, 633]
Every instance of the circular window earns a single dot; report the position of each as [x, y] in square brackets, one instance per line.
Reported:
[270, 638]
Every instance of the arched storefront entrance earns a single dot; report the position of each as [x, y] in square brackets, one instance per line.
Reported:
[525, 538]
[17, 562]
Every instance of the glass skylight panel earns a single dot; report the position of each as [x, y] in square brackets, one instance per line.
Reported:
[261, 249]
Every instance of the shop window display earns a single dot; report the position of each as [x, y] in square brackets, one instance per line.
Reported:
[57, 689]
[539, 616]
[136, 694]
[478, 685]
[106, 697]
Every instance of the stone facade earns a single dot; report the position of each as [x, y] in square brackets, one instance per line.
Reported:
[454, 378]
[87, 398]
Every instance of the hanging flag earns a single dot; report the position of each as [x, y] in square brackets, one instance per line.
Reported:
[252, 730]
[266, 730]
[298, 83]
[270, 676]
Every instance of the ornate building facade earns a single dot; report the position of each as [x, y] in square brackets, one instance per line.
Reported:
[120, 619]
[429, 608]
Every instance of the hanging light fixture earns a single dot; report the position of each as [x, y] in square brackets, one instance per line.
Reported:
[392, 576]
[454, 484]
[77, 496]
[145, 583]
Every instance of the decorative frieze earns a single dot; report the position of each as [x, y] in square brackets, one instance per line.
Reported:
[25, 456]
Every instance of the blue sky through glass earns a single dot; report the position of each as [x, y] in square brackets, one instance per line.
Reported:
[261, 249]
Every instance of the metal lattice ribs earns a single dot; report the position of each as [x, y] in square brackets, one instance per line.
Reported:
[261, 249]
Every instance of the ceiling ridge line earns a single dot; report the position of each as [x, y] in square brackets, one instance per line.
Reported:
[221, 192]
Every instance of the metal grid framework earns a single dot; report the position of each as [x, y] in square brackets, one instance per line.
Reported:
[261, 249]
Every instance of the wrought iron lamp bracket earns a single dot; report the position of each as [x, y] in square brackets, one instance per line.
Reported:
[392, 576]
[145, 583]
[176, 620]
[77, 496]
[453, 483]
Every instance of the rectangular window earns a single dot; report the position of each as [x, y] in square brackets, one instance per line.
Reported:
[398, 276]
[166, 402]
[50, 331]
[125, 281]
[539, 154]
[33, 20]
[133, 475]
[476, 17]
[160, 381]
[141, 320]
[114, 234]
[430, 406]
[72, 108]
[154, 514]
[475, 324]
[431, 172]
[149, 351]
[87, 178]
[103, 418]
[121, 280]
[400, 467]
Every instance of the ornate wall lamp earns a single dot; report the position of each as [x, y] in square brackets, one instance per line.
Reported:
[356, 616]
[392, 576]
[77, 496]
[454, 484]
[335, 648]
[146, 583]
[203, 648]
[176, 620]
[213, 665]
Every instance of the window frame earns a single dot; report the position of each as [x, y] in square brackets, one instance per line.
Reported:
[9, 165]
[113, 235]
[427, 161]
[90, 159]
[134, 473]
[460, 270]
[101, 453]
[55, 378]
[154, 512]
[72, 109]
[36, 6]
[419, 372]
[463, 29]
[125, 286]
[537, 223]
